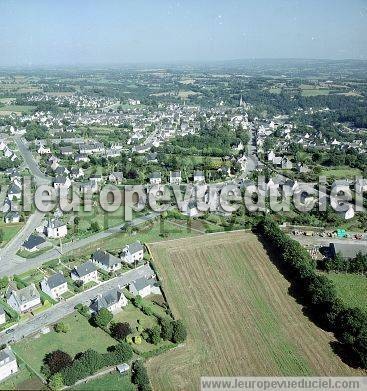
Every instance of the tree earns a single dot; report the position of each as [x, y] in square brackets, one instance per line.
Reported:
[57, 360]
[61, 327]
[154, 335]
[103, 317]
[120, 330]
[123, 352]
[166, 329]
[140, 376]
[56, 382]
[350, 323]
[1, 235]
[4, 281]
[179, 332]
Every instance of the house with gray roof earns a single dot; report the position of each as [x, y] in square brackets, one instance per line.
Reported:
[25, 299]
[34, 243]
[55, 285]
[132, 253]
[175, 178]
[155, 178]
[145, 286]
[113, 300]
[85, 273]
[106, 261]
[8, 363]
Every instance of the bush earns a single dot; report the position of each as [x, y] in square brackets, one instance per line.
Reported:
[179, 332]
[103, 317]
[56, 382]
[166, 329]
[61, 327]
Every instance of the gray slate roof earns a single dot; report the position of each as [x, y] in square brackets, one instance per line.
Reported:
[55, 280]
[135, 247]
[84, 269]
[6, 356]
[106, 299]
[26, 294]
[105, 258]
[33, 241]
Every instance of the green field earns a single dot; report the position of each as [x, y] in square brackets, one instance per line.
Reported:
[82, 336]
[352, 288]
[8, 109]
[341, 172]
[22, 380]
[111, 382]
[10, 230]
[239, 315]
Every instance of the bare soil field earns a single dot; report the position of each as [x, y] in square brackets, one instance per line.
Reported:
[239, 315]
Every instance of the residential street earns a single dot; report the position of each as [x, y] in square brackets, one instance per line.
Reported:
[64, 308]
[11, 264]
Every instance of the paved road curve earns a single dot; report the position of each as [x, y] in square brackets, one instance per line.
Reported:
[64, 308]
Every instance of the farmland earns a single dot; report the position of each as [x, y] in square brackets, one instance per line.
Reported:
[240, 317]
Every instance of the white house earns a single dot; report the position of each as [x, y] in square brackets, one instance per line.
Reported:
[12, 217]
[42, 150]
[175, 178]
[54, 285]
[8, 363]
[116, 177]
[113, 300]
[14, 192]
[106, 261]
[85, 273]
[62, 182]
[24, 299]
[144, 286]
[2, 315]
[133, 252]
[199, 177]
[56, 229]
[155, 178]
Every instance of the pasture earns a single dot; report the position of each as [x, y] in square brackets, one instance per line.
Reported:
[239, 315]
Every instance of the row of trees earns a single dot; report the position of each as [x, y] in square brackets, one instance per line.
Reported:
[61, 369]
[317, 292]
[168, 330]
[347, 265]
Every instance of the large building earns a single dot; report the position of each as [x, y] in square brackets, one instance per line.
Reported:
[347, 250]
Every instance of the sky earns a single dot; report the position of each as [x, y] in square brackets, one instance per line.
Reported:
[87, 32]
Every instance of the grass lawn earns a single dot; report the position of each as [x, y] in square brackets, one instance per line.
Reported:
[239, 315]
[150, 233]
[112, 382]
[10, 230]
[352, 288]
[341, 172]
[82, 336]
[8, 109]
[21, 380]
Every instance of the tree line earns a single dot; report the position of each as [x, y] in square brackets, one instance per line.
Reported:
[317, 292]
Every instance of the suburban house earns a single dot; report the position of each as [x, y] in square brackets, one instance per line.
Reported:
[62, 182]
[42, 150]
[34, 243]
[8, 363]
[85, 273]
[2, 315]
[199, 177]
[106, 261]
[116, 177]
[144, 286]
[66, 151]
[12, 217]
[77, 173]
[133, 253]
[175, 178]
[24, 299]
[56, 229]
[14, 192]
[54, 285]
[113, 300]
[286, 164]
[155, 178]
[81, 158]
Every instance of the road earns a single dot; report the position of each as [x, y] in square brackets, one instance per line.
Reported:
[64, 308]
[18, 265]
[39, 176]
[324, 242]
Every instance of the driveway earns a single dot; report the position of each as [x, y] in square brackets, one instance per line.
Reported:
[65, 308]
